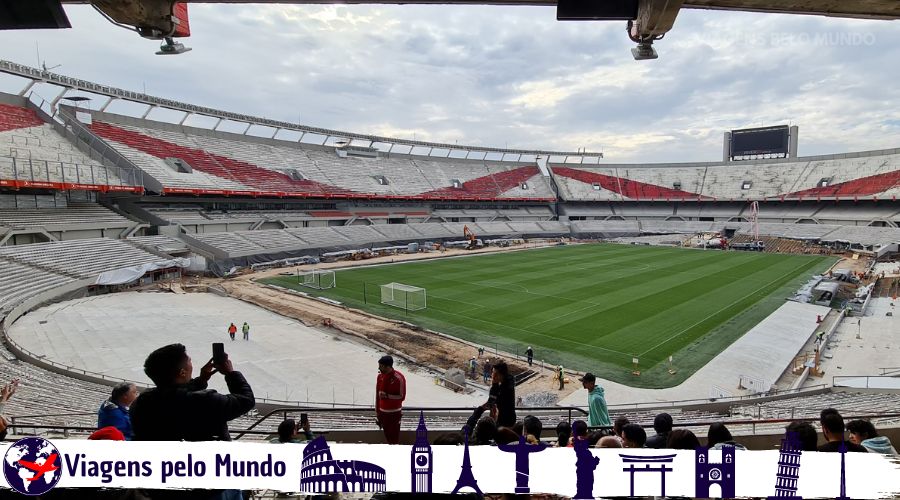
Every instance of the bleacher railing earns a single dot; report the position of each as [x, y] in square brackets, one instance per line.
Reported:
[880, 382]
[744, 427]
[30, 173]
[433, 149]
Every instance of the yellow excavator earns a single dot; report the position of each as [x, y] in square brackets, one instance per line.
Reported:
[474, 242]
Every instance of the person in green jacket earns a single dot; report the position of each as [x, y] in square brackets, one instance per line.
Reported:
[246, 330]
[597, 412]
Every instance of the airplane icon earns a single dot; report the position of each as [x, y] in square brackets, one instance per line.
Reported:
[39, 470]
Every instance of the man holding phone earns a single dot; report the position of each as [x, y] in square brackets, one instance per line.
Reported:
[181, 408]
[390, 391]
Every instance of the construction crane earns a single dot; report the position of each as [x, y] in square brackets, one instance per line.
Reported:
[474, 242]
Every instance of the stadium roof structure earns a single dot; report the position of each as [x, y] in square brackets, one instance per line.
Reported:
[648, 20]
[329, 136]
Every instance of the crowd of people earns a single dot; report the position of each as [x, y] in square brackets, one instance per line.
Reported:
[182, 408]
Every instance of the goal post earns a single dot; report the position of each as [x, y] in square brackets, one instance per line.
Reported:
[318, 279]
[407, 297]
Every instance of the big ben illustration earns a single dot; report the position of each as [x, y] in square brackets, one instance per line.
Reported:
[420, 466]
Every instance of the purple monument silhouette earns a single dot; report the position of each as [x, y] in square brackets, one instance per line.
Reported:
[321, 473]
[421, 467]
[788, 468]
[466, 479]
[585, 463]
[662, 460]
[522, 450]
[843, 450]
[708, 473]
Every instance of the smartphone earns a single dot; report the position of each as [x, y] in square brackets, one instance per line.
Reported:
[219, 355]
[304, 419]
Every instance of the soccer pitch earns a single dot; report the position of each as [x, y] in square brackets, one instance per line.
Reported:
[590, 307]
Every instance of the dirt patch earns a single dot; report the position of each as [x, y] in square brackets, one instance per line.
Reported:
[427, 349]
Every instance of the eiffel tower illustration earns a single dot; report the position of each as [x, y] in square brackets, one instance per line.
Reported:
[466, 479]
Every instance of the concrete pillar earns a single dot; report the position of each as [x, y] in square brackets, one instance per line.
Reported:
[793, 138]
[726, 147]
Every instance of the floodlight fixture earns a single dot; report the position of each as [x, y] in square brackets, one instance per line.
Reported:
[644, 51]
[170, 47]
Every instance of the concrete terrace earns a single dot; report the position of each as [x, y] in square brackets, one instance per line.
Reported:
[284, 359]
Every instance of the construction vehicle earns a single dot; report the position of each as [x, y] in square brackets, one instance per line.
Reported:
[474, 242]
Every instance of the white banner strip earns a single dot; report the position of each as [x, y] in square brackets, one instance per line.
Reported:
[329, 467]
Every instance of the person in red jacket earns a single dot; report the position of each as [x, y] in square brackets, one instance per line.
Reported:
[390, 391]
[232, 330]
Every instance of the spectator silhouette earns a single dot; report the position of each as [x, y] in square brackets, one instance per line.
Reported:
[390, 392]
[682, 439]
[533, 426]
[598, 415]
[719, 436]
[633, 436]
[833, 429]
[609, 442]
[503, 395]
[114, 411]
[621, 421]
[863, 433]
[662, 424]
[563, 433]
[290, 431]
[806, 433]
[181, 408]
[5, 394]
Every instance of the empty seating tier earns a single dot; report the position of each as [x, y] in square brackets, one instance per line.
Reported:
[20, 281]
[14, 117]
[79, 258]
[34, 154]
[230, 164]
[866, 175]
[74, 214]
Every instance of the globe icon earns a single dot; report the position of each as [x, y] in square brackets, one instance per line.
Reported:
[32, 466]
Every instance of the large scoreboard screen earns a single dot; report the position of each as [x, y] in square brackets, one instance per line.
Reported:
[760, 141]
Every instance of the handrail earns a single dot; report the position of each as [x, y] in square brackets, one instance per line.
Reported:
[731, 399]
[705, 423]
[142, 98]
[835, 378]
[427, 410]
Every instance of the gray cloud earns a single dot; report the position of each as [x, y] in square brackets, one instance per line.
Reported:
[506, 76]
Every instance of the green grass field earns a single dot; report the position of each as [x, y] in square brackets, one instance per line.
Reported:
[591, 307]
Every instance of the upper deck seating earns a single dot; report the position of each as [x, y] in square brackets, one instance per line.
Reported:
[866, 175]
[32, 151]
[232, 164]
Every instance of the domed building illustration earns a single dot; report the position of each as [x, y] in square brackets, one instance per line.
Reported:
[321, 473]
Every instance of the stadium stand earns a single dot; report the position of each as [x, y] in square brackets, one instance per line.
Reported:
[159, 243]
[79, 258]
[34, 154]
[397, 232]
[219, 163]
[74, 213]
[865, 175]
[21, 281]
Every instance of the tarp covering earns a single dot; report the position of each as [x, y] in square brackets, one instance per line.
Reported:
[129, 274]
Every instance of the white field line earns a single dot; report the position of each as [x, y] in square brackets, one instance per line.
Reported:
[580, 344]
[714, 313]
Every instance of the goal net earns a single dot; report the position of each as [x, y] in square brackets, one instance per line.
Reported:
[410, 298]
[318, 279]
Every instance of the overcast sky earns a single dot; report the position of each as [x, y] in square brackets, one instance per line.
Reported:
[507, 76]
